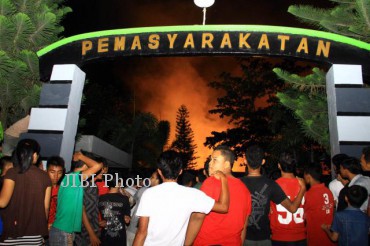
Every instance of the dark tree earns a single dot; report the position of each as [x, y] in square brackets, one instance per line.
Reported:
[255, 116]
[184, 142]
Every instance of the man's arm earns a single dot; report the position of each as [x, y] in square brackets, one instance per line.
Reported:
[47, 201]
[244, 231]
[331, 234]
[93, 166]
[293, 206]
[6, 192]
[94, 240]
[195, 223]
[222, 205]
[141, 232]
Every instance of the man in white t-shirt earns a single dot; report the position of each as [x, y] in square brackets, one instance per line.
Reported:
[165, 209]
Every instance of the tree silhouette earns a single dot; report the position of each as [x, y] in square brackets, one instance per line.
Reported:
[255, 116]
[184, 141]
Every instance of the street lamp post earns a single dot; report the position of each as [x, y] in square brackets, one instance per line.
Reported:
[204, 4]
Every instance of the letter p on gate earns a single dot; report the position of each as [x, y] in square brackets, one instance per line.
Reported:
[86, 46]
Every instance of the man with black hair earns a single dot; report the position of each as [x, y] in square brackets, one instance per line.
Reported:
[165, 209]
[55, 169]
[264, 190]
[318, 207]
[337, 184]
[90, 230]
[222, 229]
[351, 170]
[287, 228]
[350, 226]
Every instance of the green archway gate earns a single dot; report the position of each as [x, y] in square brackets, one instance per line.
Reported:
[349, 103]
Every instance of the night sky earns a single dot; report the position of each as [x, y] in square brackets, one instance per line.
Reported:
[162, 84]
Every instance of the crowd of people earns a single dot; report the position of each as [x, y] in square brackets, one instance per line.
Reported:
[83, 207]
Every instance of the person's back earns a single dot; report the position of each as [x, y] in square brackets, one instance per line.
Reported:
[351, 226]
[165, 209]
[287, 227]
[25, 213]
[263, 190]
[131, 229]
[28, 204]
[170, 206]
[115, 210]
[225, 229]
[318, 207]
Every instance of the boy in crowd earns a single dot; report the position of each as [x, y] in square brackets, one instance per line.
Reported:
[115, 210]
[222, 229]
[350, 226]
[90, 230]
[55, 170]
[165, 209]
[287, 228]
[264, 190]
[337, 184]
[68, 219]
[318, 207]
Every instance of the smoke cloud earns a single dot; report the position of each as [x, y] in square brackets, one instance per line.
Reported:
[161, 85]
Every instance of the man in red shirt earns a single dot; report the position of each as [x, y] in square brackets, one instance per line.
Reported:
[222, 229]
[55, 170]
[287, 227]
[318, 207]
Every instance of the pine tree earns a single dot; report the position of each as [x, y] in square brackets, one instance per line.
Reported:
[306, 96]
[184, 141]
[25, 27]
[349, 18]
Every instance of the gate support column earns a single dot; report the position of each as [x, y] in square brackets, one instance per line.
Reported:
[348, 110]
[54, 123]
